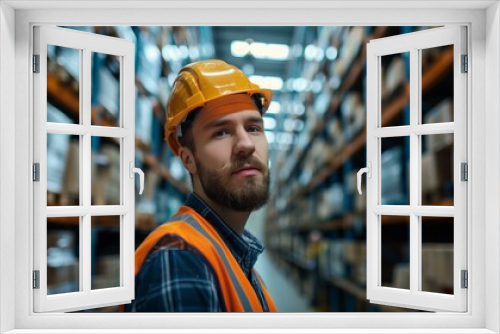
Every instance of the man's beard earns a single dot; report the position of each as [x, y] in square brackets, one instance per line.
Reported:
[251, 195]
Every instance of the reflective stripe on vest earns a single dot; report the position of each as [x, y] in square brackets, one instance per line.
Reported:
[237, 292]
[241, 294]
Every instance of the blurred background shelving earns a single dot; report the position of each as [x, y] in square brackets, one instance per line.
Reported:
[314, 226]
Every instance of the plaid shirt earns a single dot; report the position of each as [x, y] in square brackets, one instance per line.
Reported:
[176, 277]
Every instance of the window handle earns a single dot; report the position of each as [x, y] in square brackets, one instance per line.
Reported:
[368, 171]
[133, 170]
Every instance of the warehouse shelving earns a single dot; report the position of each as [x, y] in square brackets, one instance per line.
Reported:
[347, 82]
[61, 94]
[293, 214]
[429, 78]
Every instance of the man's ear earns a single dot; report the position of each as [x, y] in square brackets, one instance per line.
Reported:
[187, 159]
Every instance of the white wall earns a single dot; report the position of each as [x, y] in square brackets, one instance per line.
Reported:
[7, 159]
[492, 165]
[214, 17]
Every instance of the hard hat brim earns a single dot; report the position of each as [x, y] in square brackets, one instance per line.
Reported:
[172, 123]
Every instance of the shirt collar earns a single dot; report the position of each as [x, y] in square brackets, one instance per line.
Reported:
[245, 248]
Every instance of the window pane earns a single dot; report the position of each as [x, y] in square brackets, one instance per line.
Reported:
[395, 257]
[395, 182]
[63, 255]
[437, 254]
[63, 169]
[437, 169]
[437, 84]
[105, 252]
[63, 84]
[395, 77]
[106, 171]
[105, 89]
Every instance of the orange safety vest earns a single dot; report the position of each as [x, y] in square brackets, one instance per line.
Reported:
[237, 291]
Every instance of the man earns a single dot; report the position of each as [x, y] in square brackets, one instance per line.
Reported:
[202, 259]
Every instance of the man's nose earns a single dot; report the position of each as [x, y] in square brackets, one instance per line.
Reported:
[244, 145]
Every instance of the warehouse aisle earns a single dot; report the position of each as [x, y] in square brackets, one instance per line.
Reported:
[284, 292]
[314, 225]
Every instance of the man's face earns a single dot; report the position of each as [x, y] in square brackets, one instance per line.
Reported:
[231, 160]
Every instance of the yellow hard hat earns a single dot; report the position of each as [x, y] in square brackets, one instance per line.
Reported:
[202, 82]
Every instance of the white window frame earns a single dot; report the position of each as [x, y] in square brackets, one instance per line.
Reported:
[483, 21]
[413, 44]
[85, 43]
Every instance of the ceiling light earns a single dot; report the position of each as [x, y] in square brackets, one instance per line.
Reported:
[300, 84]
[269, 123]
[316, 86]
[274, 107]
[239, 48]
[171, 53]
[310, 52]
[331, 53]
[258, 50]
[274, 83]
[320, 54]
[299, 108]
[152, 53]
[278, 51]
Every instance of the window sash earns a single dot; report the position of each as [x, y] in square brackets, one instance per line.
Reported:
[413, 298]
[87, 43]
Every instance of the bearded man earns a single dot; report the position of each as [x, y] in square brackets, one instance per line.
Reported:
[202, 259]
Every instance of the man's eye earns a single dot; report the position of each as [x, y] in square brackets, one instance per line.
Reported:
[254, 128]
[221, 133]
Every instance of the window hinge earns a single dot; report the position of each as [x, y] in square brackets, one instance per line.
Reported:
[465, 279]
[36, 279]
[465, 64]
[36, 63]
[464, 171]
[36, 172]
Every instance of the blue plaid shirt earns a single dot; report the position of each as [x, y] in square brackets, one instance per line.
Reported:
[177, 278]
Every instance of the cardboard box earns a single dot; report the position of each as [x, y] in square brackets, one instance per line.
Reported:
[334, 199]
[336, 135]
[401, 276]
[57, 152]
[437, 267]
[358, 274]
[109, 94]
[62, 264]
[355, 252]
[353, 39]
[70, 194]
[430, 180]
[111, 174]
[337, 268]
[443, 112]
[109, 265]
[353, 115]
[394, 76]
[144, 118]
[63, 279]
